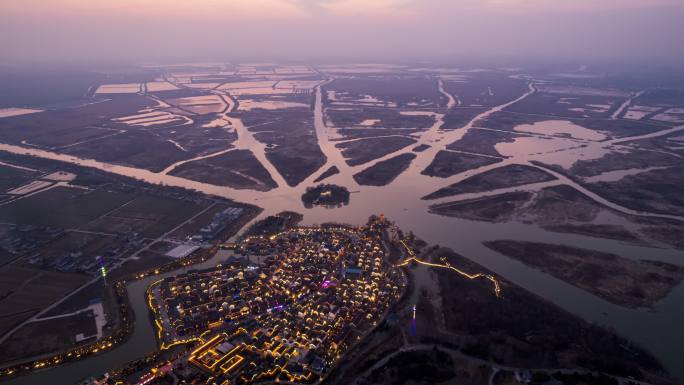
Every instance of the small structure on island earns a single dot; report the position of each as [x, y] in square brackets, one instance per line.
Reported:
[326, 195]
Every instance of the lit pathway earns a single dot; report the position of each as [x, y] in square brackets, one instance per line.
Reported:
[447, 265]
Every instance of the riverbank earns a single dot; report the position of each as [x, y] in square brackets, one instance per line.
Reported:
[634, 284]
[488, 331]
[126, 317]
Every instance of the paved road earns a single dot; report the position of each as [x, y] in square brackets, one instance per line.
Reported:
[37, 316]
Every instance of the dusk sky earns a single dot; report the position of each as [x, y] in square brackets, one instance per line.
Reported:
[163, 30]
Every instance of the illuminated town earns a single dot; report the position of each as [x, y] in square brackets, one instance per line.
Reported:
[289, 317]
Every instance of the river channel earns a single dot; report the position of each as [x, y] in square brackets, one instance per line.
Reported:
[658, 329]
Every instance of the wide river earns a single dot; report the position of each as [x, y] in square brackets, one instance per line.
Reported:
[658, 330]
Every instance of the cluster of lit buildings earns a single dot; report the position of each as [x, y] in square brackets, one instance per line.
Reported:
[288, 319]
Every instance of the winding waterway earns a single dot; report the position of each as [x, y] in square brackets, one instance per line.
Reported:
[658, 330]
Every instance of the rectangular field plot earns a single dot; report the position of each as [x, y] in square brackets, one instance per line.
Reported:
[62, 207]
[12, 177]
[125, 88]
[362, 68]
[25, 291]
[47, 336]
[251, 104]
[151, 216]
[30, 187]
[152, 119]
[9, 112]
[243, 85]
[159, 86]
[205, 104]
[73, 252]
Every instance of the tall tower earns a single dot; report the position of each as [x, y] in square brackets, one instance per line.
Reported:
[103, 269]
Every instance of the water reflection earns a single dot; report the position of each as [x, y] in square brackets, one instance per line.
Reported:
[658, 331]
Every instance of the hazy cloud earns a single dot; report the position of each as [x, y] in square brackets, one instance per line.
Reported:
[145, 30]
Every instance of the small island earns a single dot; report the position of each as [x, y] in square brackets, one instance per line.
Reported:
[327, 195]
